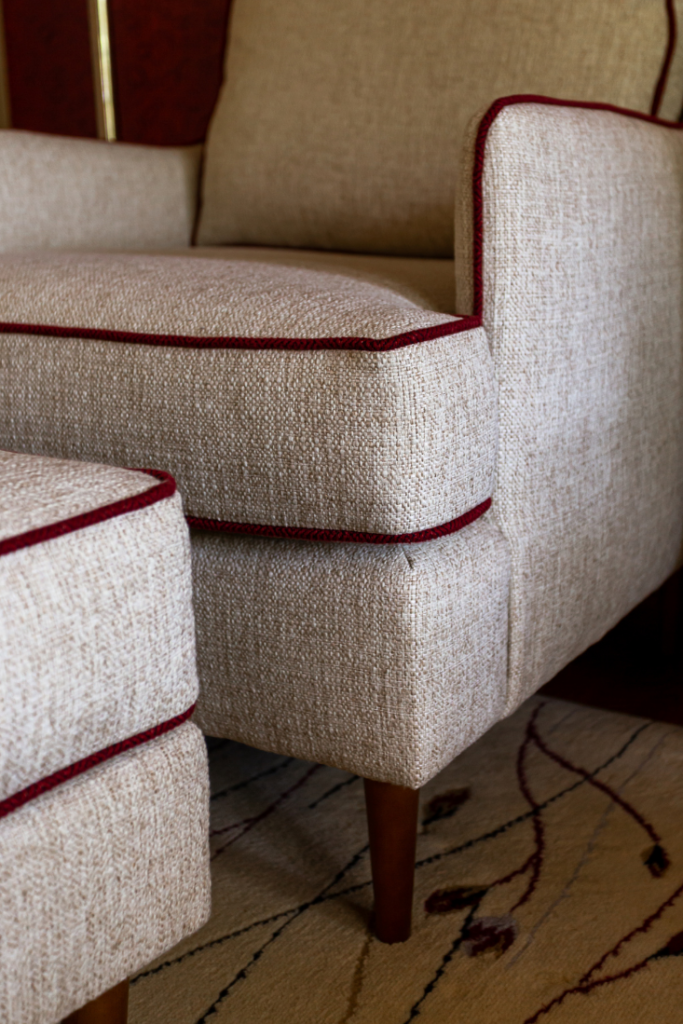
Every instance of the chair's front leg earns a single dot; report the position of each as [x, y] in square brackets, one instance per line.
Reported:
[109, 1008]
[392, 826]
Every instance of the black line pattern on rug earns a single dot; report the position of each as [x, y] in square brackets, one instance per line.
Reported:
[657, 863]
[521, 818]
[442, 900]
[663, 859]
[253, 778]
[534, 862]
[588, 851]
[550, 910]
[585, 986]
[357, 980]
[242, 974]
[335, 789]
[433, 859]
[248, 823]
[445, 960]
[210, 945]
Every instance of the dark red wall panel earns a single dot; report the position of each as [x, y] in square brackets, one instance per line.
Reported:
[167, 57]
[48, 66]
[168, 62]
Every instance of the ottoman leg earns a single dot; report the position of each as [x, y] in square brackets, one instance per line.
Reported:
[392, 826]
[109, 1008]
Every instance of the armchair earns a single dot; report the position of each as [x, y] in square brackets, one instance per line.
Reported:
[405, 518]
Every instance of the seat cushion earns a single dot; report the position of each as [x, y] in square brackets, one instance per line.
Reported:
[340, 125]
[96, 625]
[296, 393]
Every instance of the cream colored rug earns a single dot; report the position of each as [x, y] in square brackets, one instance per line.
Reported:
[549, 887]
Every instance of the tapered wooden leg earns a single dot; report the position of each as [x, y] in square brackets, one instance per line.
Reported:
[392, 825]
[109, 1008]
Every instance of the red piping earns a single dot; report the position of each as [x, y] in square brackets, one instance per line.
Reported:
[36, 789]
[355, 536]
[298, 344]
[478, 170]
[365, 344]
[668, 57]
[156, 493]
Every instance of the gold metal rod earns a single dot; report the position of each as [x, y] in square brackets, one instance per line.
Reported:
[100, 41]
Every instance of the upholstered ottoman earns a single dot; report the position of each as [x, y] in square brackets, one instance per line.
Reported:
[103, 779]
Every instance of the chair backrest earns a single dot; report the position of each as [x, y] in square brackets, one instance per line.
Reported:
[340, 122]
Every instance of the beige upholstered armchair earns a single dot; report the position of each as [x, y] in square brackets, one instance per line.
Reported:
[425, 468]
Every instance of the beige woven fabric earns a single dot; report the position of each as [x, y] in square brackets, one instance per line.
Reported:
[59, 193]
[426, 282]
[96, 626]
[101, 875]
[583, 277]
[386, 661]
[392, 442]
[339, 126]
[215, 297]
[36, 492]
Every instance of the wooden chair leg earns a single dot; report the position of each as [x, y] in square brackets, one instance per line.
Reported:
[109, 1008]
[392, 826]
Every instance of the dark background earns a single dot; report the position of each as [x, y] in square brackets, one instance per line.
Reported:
[167, 63]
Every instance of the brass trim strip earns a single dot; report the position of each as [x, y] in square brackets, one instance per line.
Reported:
[100, 43]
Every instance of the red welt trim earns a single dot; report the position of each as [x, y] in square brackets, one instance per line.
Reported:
[306, 344]
[298, 344]
[478, 170]
[12, 803]
[668, 57]
[354, 536]
[162, 490]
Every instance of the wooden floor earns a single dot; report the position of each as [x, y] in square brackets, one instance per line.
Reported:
[638, 667]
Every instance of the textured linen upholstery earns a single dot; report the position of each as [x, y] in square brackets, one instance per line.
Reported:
[101, 875]
[387, 661]
[103, 782]
[336, 437]
[340, 126]
[343, 126]
[96, 625]
[58, 193]
[582, 282]
[427, 282]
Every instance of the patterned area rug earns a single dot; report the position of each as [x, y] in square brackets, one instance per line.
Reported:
[549, 887]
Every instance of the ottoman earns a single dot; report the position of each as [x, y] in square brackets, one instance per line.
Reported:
[103, 778]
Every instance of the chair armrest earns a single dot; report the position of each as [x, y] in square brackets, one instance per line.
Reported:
[576, 268]
[64, 193]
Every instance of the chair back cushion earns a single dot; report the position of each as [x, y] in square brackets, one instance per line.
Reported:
[340, 122]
